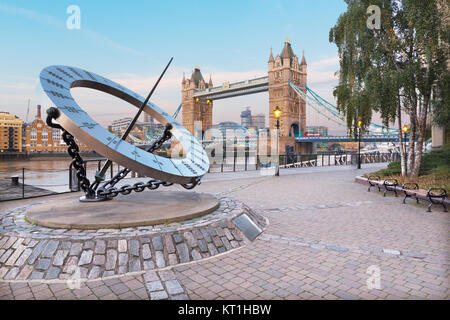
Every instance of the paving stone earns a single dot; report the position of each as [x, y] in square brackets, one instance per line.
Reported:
[217, 242]
[100, 247]
[158, 295]
[206, 235]
[108, 273]
[6, 255]
[86, 257]
[52, 273]
[122, 245]
[170, 247]
[36, 275]
[196, 255]
[13, 258]
[154, 286]
[95, 272]
[211, 231]
[50, 249]
[60, 257]
[221, 249]
[183, 252]
[202, 245]
[37, 251]
[65, 245]
[17, 243]
[197, 234]
[76, 249]
[123, 259]
[157, 243]
[226, 243]
[151, 276]
[99, 260]
[12, 273]
[191, 241]
[146, 252]
[228, 234]
[111, 258]
[173, 287]
[134, 248]
[9, 243]
[234, 244]
[173, 260]
[177, 237]
[134, 265]
[212, 249]
[112, 243]
[43, 264]
[160, 261]
[149, 265]
[123, 269]
[335, 248]
[24, 273]
[145, 240]
[89, 245]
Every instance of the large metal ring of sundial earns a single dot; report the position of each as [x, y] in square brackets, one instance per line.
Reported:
[57, 82]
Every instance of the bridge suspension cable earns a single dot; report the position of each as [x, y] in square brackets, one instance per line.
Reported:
[330, 111]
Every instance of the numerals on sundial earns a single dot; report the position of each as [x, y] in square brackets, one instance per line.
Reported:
[75, 72]
[89, 125]
[59, 95]
[56, 84]
[65, 73]
[90, 75]
[54, 75]
[72, 109]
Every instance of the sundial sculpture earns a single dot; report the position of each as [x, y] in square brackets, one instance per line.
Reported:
[76, 123]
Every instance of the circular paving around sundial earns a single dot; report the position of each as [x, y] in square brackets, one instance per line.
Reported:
[32, 252]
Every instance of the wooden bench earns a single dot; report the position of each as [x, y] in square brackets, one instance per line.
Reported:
[411, 190]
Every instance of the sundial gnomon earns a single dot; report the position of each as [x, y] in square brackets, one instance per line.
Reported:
[75, 122]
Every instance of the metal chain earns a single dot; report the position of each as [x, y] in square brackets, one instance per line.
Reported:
[108, 189]
[73, 150]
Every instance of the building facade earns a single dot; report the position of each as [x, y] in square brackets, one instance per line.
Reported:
[40, 138]
[120, 124]
[10, 133]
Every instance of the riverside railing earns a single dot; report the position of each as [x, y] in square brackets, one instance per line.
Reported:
[29, 182]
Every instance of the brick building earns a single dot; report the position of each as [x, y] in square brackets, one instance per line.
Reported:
[41, 138]
[10, 133]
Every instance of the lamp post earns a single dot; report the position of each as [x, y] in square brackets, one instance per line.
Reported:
[405, 132]
[359, 143]
[277, 114]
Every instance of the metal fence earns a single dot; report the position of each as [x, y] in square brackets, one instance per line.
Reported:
[22, 183]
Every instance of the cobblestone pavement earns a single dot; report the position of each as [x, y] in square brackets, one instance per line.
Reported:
[326, 237]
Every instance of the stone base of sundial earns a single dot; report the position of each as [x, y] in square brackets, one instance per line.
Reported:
[133, 210]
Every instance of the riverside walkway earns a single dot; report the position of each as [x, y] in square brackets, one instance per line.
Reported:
[327, 238]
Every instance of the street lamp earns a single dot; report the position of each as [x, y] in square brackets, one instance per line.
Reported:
[359, 143]
[405, 132]
[277, 114]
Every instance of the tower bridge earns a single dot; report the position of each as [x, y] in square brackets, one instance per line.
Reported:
[198, 97]
[286, 83]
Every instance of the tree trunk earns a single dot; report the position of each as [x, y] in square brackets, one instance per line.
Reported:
[400, 133]
[422, 123]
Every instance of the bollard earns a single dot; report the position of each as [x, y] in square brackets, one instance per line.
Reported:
[15, 180]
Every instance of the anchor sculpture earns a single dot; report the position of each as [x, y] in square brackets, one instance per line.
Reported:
[68, 116]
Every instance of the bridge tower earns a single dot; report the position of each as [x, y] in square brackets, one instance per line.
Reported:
[194, 109]
[282, 69]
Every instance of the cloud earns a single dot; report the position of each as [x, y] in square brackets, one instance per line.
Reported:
[54, 22]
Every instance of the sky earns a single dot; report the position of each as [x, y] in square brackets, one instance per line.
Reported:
[131, 41]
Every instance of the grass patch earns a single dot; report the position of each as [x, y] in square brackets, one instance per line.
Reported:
[434, 171]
